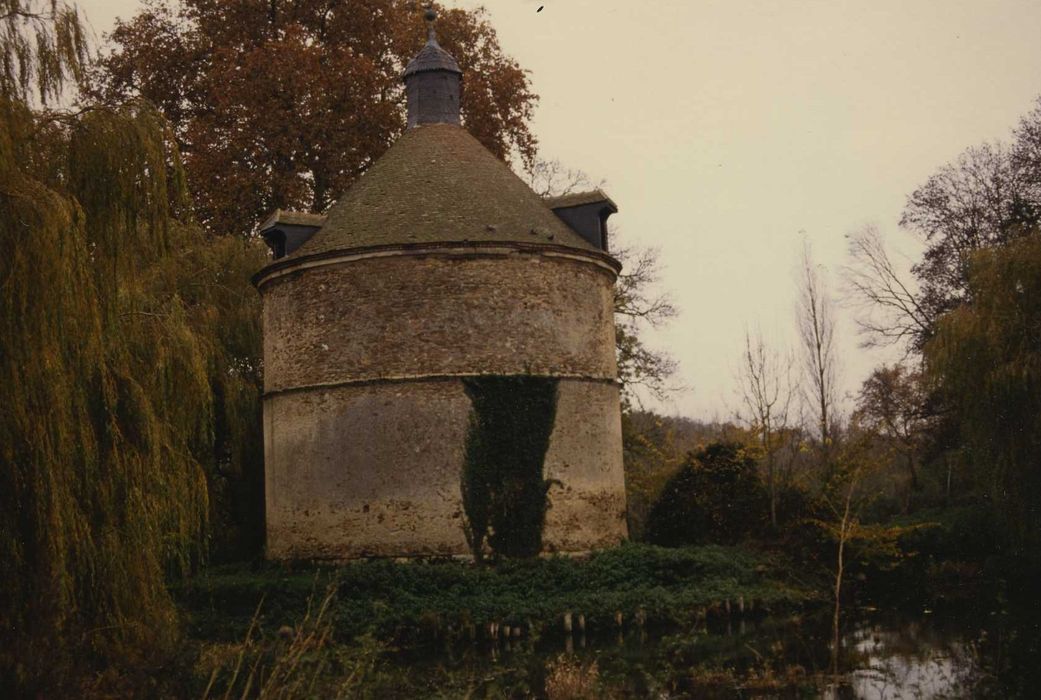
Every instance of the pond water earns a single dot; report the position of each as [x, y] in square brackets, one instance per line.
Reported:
[884, 656]
[913, 659]
[953, 654]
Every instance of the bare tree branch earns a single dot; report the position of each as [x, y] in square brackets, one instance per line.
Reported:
[766, 389]
[551, 178]
[817, 332]
[890, 312]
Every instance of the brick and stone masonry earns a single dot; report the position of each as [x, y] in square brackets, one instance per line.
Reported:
[437, 265]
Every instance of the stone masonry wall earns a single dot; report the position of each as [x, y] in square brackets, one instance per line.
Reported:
[371, 470]
[365, 421]
[587, 511]
[375, 470]
[414, 316]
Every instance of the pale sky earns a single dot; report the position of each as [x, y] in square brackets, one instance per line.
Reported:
[728, 129]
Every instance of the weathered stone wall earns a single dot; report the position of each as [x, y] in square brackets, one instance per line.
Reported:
[405, 316]
[375, 470]
[369, 470]
[587, 511]
[365, 419]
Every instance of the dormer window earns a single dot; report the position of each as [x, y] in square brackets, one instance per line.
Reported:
[586, 213]
[604, 213]
[276, 241]
[285, 231]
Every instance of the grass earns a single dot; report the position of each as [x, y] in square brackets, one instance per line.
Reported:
[416, 601]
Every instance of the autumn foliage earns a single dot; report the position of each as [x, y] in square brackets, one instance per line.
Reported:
[281, 104]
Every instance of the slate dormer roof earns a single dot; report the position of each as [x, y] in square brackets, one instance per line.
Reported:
[580, 199]
[291, 218]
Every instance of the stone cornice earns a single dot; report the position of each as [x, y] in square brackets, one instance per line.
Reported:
[472, 249]
[403, 379]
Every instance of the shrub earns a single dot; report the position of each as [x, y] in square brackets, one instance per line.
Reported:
[716, 496]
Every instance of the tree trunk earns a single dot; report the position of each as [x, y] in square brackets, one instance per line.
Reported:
[835, 638]
[844, 531]
[913, 470]
[772, 483]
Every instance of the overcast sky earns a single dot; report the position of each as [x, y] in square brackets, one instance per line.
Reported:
[727, 130]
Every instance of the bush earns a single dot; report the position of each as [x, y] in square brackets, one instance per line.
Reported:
[716, 496]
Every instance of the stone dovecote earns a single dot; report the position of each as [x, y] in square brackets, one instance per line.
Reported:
[437, 266]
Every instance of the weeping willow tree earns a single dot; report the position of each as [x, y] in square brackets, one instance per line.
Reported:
[986, 362]
[127, 366]
[42, 46]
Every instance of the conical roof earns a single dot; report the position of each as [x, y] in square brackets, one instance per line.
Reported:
[431, 57]
[438, 184]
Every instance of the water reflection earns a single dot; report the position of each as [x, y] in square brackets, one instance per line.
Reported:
[885, 657]
[912, 659]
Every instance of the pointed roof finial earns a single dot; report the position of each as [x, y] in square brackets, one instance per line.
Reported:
[431, 57]
[430, 16]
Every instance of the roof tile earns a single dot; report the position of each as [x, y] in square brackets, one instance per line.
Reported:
[437, 184]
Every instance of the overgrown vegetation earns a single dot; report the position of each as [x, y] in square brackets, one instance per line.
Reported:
[986, 364]
[503, 487]
[110, 365]
[300, 660]
[348, 631]
[423, 601]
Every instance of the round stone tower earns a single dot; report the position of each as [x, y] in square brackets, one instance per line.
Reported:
[438, 268]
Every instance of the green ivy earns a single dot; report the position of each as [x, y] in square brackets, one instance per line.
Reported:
[504, 492]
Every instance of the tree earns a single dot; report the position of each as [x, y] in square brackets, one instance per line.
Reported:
[766, 389]
[890, 404]
[840, 517]
[650, 458]
[982, 199]
[126, 362]
[279, 104]
[892, 310]
[638, 307]
[551, 178]
[989, 195]
[816, 322]
[43, 45]
[1026, 156]
[986, 363]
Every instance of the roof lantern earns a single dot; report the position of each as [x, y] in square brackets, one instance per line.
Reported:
[432, 83]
